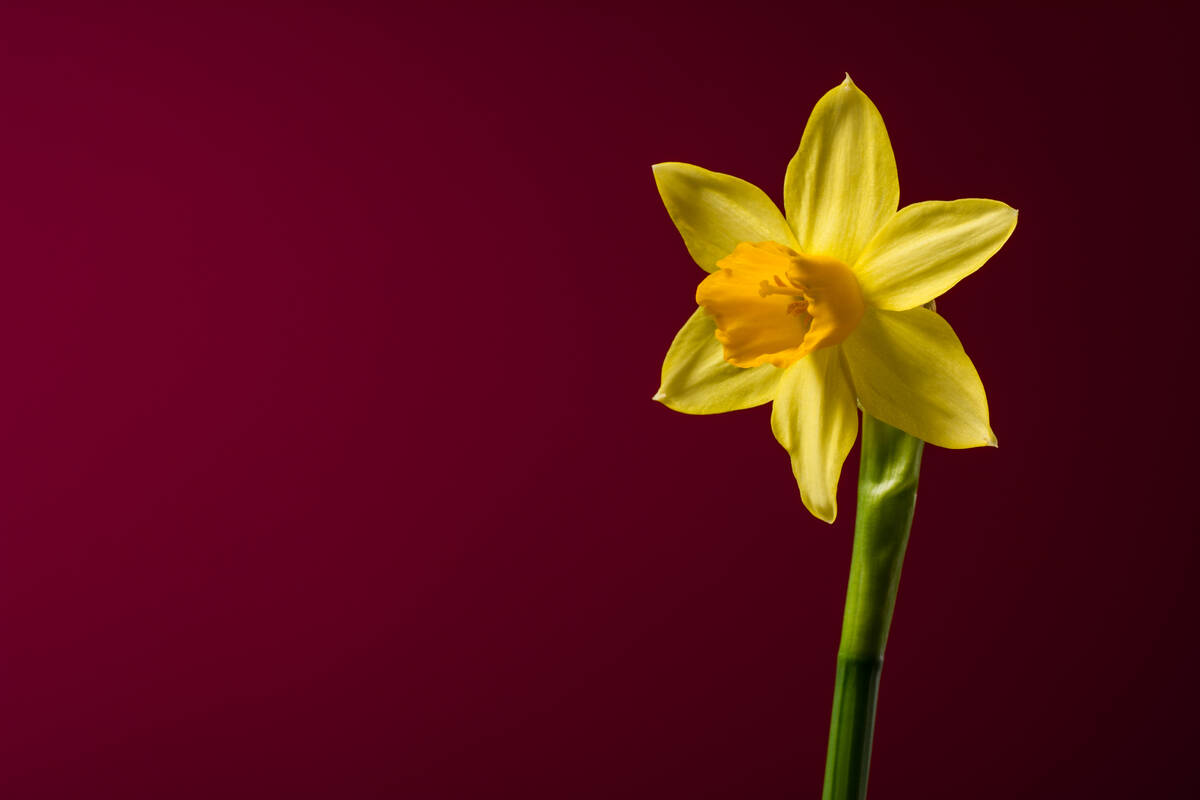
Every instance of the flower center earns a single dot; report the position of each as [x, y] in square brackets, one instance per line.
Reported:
[773, 305]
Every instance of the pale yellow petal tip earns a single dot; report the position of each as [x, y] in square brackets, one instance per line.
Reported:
[1012, 212]
[826, 515]
[847, 81]
[992, 442]
[664, 166]
[660, 396]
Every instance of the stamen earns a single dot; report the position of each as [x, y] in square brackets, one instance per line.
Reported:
[789, 289]
[799, 308]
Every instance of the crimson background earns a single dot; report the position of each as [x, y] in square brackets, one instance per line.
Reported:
[329, 463]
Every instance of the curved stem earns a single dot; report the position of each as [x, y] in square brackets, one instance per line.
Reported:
[887, 494]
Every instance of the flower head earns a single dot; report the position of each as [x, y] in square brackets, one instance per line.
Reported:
[822, 310]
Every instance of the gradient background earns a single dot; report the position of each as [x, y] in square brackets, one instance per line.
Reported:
[329, 463]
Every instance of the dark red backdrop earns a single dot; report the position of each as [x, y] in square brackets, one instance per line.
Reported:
[329, 462]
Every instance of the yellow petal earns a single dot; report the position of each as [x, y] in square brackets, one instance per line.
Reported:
[696, 378]
[714, 212]
[928, 247]
[841, 185]
[814, 417]
[910, 371]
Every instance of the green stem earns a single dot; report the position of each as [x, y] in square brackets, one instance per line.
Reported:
[887, 493]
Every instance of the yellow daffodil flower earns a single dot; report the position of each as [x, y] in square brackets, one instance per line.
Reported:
[823, 311]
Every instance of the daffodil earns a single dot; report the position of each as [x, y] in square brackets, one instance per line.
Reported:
[822, 309]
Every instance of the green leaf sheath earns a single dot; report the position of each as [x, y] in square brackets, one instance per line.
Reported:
[887, 494]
